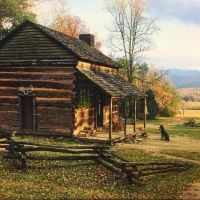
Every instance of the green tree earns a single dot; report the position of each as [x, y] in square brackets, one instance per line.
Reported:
[167, 112]
[12, 13]
[169, 99]
[152, 105]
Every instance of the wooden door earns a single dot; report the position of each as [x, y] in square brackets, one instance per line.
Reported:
[27, 112]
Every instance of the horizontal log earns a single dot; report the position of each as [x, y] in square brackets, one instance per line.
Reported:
[53, 126]
[112, 169]
[53, 149]
[22, 47]
[39, 63]
[46, 132]
[9, 107]
[9, 125]
[151, 163]
[4, 135]
[37, 76]
[36, 61]
[56, 146]
[29, 53]
[56, 93]
[8, 100]
[66, 158]
[11, 115]
[2, 146]
[36, 51]
[130, 172]
[50, 110]
[38, 69]
[111, 161]
[160, 168]
[34, 38]
[117, 156]
[172, 169]
[55, 104]
[37, 40]
[40, 92]
[39, 101]
[54, 120]
[37, 83]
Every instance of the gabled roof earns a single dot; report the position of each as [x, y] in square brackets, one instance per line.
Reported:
[83, 51]
[110, 82]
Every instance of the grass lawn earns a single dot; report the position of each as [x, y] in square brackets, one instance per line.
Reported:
[90, 180]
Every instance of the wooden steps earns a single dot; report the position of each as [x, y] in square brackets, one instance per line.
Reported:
[86, 132]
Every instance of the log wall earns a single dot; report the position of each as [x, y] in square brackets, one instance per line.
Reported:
[30, 57]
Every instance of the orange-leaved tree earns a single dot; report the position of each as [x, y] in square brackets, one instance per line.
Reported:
[70, 24]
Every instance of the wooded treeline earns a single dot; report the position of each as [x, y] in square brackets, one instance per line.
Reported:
[162, 97]
[190, 94]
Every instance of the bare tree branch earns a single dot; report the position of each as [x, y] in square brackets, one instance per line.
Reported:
[131, 31]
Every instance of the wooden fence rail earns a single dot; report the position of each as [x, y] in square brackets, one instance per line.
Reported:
[132, 171]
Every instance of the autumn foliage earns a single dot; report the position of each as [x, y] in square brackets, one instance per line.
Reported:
[70, 24]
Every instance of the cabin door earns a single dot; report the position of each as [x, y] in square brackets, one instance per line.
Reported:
[99, 108]
[27, 116]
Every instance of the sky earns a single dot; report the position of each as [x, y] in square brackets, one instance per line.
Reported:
[177, 44]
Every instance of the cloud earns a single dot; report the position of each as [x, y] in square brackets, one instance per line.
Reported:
[177, 46]
[182, 10]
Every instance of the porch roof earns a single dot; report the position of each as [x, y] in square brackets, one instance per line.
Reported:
[111, 83]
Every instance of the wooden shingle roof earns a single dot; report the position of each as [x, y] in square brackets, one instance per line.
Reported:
[110, 82]
[79, 48]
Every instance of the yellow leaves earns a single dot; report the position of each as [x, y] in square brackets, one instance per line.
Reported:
[122, 3]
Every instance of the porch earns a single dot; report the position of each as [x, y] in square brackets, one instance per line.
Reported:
[102, 136]
[109, 96]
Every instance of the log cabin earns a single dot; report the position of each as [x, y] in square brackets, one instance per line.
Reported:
[54, 84]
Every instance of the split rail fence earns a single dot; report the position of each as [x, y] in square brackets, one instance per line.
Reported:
[132, 171]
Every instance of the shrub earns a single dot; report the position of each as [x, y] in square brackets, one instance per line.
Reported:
[166, 112]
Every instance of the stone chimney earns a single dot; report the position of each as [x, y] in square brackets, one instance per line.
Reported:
[87, 38]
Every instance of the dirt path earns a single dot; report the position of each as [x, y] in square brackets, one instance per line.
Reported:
[158, 147]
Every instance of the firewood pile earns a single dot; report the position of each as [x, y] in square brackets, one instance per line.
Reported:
[86, 132]
[191, 122]
[131, 138]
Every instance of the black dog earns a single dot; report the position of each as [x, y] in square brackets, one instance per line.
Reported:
[164, 134]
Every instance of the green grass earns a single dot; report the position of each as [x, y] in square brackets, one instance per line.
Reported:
[193, 132]
[89, 180]
[178, 128]
[192, 155]
[86, 179]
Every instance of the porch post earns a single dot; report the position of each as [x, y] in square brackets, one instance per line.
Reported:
[110, 120]
[145, 112]
[125, 116]
[134, 114]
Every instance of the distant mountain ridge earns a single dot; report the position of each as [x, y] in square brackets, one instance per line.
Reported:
[185, 78]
